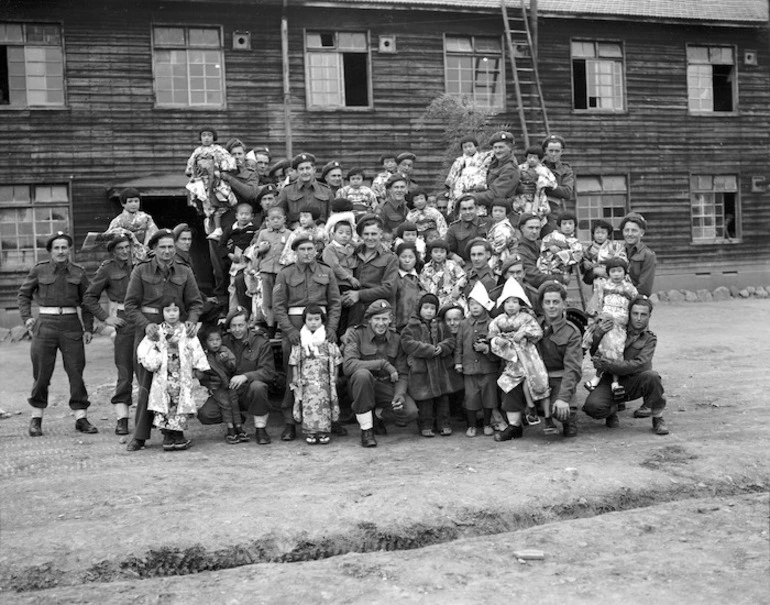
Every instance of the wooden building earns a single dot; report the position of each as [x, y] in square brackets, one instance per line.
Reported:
[665, 106]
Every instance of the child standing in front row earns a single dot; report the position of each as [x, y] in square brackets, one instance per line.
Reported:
[475, 361]
[314, 364]
[217, 380]
[340, 255]
[172, 359]
[408, 290]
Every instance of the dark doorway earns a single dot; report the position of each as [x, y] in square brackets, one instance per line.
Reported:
[168, 212]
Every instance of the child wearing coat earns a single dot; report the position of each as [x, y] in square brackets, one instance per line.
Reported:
[172, 358]
[408, 289]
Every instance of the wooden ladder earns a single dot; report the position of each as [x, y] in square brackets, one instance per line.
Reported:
[526, 78]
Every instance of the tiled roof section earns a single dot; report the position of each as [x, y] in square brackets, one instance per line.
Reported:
[725, 11]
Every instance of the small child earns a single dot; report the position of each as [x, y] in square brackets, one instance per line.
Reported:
[427, 345]
[408, 290]
[235, 239]
[560, 250]
[341, 210]
[308, 227]
[474, 359]
[314, 365]
[534, 177]
[388, 162]
[501, 235]
[363, 198]
[431, 224]
[265, 255]
[468, 172]
[135, 223]
[207, 187]
[406, 233]
[172, 356]
[611, 299]
[217, 380]
[340, 256]
[513, 335]
[441, 276]
[601, 249]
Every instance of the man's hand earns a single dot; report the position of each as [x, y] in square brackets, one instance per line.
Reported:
[394, 376]
[331, 336]
[151, 331]
[561, 410]
[355, 283]
[88, 337]
[115, 322]
[459, 367]
[238, 381]
[350, 298]
[294, 337]
[604, 325]
[600, 362]
[190, 328]
[398, 402]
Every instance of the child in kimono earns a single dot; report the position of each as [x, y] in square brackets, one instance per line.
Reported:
[442, 276]
[172, 358]
[363, 199]
[534, 178]
[207, 188]
[314, 362]
[308, 227]
[601, 249]
[406, 233]
[502, 236]
[135, 223]
[389, 165]
[431, 224]
[560, 250]
[468, 172]
[512, 336]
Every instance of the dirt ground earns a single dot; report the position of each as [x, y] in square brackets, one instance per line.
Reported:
[621, 515]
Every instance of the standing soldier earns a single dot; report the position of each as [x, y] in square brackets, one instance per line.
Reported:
[564, 193]
[151, 282]
[60, 286]
[112, 277]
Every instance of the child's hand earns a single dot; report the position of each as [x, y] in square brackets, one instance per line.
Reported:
[355, 283]
[555, 249]
[264, 246]
[518, 337]
[459, 368]
[394, 376]
[436, 351]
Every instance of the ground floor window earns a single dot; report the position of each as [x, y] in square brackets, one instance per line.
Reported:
[715, 208]
[601, 197]
[29, 214]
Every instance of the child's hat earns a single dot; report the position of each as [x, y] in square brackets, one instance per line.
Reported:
[430, 299]
[329, 167]
[301, 159]
[513, 289]
[480, 295]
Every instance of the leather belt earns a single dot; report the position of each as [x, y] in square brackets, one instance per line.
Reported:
[58, 311]
[301, 310]
[119, 306]
[151, 310]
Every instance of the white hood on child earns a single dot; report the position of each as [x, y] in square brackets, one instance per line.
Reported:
[513, 288]
[480, 295]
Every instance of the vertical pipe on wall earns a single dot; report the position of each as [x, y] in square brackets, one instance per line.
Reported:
[286, 85]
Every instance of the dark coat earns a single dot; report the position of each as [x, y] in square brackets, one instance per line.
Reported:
[428, 373]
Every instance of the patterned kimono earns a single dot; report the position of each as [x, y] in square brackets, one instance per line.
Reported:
[172, 359]
[205, 167]
[139, 226]
[570, 252]
[467, 174]
[314, 365]
[504, 239]
[611, 300]
[530, 193]
[523, 362]
[317, 234]
[430, 223]
[445, 281]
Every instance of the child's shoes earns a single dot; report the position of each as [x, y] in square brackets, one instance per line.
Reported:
[550, 427]
[488, 430]
[427, 433]
[445, 432]
[324, 438]
[470, 431]
[311, 439]
[241, 434]
[532, 417]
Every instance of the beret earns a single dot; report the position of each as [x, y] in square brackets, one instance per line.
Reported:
[301, 159]
[282, 165]
[554, 138]
[527, 216]
[369, 219]
[478, 241]
[235, 312]
[262, 150]
[394, 178]
[328, 167]
[634, 217]
[180, 229]
[407, 155]
[232, 144]
[501, 137]
[156, 237]
[341, 204]
[446, 309]
[266, 190]
[377, 307]
[301, 239]
[641, 300]
[119, 239]
[58, 235]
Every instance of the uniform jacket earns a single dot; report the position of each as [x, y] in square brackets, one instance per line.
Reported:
[378, 275]
[637, 353]
[565, 188]
[253, 356]
[380, 355]
[562, 353]
[295, 196]
[245, 185]
[112, 276]
[502, 179]
[460, 233]
[428, 373]
[302, 285]
[641, 267]
[269, 262]
[61, 285]
[485, 275]
[533, 277]
[473, 362]
[392, 215]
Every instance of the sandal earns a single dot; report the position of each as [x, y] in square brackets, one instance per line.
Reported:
[532, 417]
[324, 438]
[311, 439]
[427, 433]
[446, 431]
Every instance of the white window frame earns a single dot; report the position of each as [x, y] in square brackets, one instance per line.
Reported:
[607, 71]
[187, 49]
[39, 197]
[591, 203]
[331, 59]
[701, 60]
[495, 101]
[708, 208]
[42, 62]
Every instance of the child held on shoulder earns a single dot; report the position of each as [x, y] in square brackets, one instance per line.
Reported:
[362, 198]
[308, 227]
[534, 178]
[502, 236]
[431, 224]
[560, 250]
[601, 249]
[406, 233]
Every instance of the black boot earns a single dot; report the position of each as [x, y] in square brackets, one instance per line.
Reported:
[36, 427]
[121, 427]
[512, 431]
[367, 438]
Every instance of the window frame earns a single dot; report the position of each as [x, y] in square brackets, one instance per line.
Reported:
[62, 46]
[32, 205]
[738, 209]
[623, 83]
[735, 97]
[154, 47]
[309, 106]
[473, 53]
[584, 235]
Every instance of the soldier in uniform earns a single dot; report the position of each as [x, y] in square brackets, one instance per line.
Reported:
[405, 166]
[298, 285]
[466, 228]
[152, 281]
[112, 277]
[305, 191]
[60, 286]
[564, 192]
[503, 172]
[377, 370]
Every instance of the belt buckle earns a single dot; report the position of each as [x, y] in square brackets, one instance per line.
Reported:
[61, 310]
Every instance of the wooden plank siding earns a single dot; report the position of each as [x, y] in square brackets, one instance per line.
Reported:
[111, 131]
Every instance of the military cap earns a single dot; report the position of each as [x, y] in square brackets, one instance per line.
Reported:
[282, 165]
[377, 307]
[58, 235]
[301, 239]
[634, 217]
[526, 217]
[266, 190]
[394, 178]
[262, 150]
[501, 137]
[369, 219]
[301, 159]
[207, 129]
[478, 241]
[407, 155]
[236, 312]
[118, 239]
[180, 229]
[554, 138]
[328, 167]
[232, 144]
[341, 204]
[158, 235]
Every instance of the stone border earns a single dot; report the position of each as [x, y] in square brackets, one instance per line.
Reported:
[704, 295]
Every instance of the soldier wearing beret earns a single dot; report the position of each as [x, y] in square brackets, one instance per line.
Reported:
[564, 192]
[405, 166]
[305, 191]
[331, 174]
[479, 251]
[245, 181]
[59, 286]
[112, 277]
[377, 370]
[151, 282]
[304, 282]
[393, 209]
[503, 172]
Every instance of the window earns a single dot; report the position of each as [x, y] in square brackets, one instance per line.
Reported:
[29, 214]
[597, 75]
[601, 197]
[31, 65]
[337, 69]
[711, 78]
[188, 66]
[474, 69]
[715, 209]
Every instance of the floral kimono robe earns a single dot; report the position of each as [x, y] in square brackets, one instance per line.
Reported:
[445, 281]
[611, 300]
[523, 362]
[139, 226]
[504, 239]
[530, 194]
